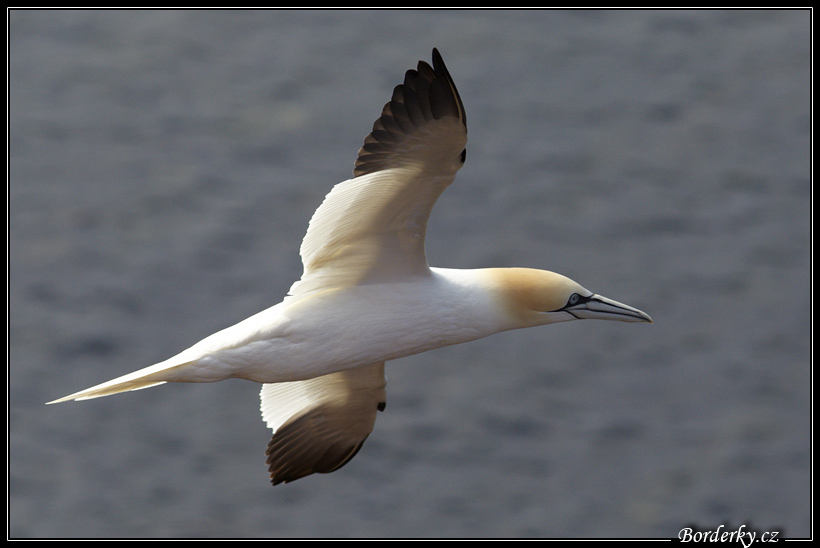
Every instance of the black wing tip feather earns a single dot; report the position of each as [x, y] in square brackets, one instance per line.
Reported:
[428, 93]
[290, 456]
[324, 463]
[440, 68]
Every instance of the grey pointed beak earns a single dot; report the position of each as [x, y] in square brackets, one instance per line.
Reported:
[597, 307]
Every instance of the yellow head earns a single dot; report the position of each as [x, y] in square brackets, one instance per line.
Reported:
[538, 297]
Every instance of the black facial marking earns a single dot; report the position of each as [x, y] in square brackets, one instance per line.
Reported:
[575, 299]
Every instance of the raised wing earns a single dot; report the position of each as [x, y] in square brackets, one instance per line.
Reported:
[320, 424]
[371, 228]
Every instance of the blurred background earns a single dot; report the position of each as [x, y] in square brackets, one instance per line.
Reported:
[163, 169]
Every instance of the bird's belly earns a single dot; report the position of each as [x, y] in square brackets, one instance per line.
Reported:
[340, 330]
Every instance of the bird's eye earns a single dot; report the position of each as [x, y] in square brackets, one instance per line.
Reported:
[573, 299]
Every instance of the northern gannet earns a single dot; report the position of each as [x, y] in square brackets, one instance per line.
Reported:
[367, 294]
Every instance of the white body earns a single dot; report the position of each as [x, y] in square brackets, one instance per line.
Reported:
[335, 329]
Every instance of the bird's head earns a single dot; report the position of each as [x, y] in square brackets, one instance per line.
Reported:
[539, 297]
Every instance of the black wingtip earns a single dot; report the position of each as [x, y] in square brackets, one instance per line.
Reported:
[427, 93]
[440, 68]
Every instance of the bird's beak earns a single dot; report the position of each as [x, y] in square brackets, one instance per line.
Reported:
[597, 307]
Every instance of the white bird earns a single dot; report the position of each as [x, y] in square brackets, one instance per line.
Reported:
[367, 295]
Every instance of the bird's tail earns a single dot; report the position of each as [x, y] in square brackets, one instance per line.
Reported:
[144, 378]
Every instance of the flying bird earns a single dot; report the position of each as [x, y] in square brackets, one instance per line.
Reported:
[367, 294]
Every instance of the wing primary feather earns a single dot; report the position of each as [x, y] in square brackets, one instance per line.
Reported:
[427, 94]
[319, 424]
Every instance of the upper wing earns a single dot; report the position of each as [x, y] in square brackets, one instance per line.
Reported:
[371, 228]
[319, 424]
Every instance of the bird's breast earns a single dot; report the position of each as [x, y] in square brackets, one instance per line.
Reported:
[339, 328]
